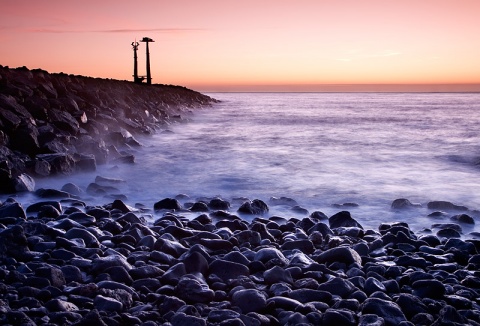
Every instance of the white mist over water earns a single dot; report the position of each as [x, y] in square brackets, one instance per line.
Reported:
[317, 148]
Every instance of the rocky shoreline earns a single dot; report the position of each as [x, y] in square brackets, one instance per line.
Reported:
[59, 124]
[64, 262]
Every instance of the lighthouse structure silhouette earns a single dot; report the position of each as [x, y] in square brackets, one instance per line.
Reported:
[136, 78]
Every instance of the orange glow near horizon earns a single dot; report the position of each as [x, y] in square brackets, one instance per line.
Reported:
[216, 45]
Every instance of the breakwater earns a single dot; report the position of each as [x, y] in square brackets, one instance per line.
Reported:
[58, 123]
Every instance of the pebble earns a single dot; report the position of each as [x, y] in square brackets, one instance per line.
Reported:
[109, 265]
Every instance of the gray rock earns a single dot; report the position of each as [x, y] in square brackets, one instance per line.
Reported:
[181, 319]
[344, 255]
[411, 305]
[147, 271]
[60, 305]
[339, 317]
[249, 300]
[100, 264]
[402, 203]
[428, 289]
[271, 254]
[373, 285]
[371, 320]
[463, 218]
[12, 209]
[389, 311]
[306, 246]
[310, 295]
[228, 270]
[445, 205]
[167, 203]
[338, 286]
[343, 219]
[284, 303]
[254, 207]
[90, 240]
[53, 274]
[277, 274]
[191, 290]
[448, 315]
[102, 303]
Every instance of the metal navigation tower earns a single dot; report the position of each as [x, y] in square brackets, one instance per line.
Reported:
[149, 76]
[136, 79]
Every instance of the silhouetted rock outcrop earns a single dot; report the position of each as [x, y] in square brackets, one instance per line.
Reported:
[59, 123]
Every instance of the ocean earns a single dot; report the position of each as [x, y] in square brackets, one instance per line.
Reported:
[320, 149]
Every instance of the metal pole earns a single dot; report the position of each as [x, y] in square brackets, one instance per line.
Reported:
[135, 61]
[149, 76]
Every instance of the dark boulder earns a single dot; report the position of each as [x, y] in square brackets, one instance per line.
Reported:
[228, 270]
[60, 163]
[403, 203]
[445, 205]
[254, 207]
[343, 219]
[11, 208]
[389, 311]
[249, 300]
[344, 255]
[167, 203]
[463, 218]
[13, 242]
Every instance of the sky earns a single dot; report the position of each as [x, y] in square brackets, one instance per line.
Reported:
[253, 45]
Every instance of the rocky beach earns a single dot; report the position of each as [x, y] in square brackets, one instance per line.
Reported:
[196, 261]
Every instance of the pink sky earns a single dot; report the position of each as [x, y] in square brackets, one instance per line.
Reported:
[219, 45]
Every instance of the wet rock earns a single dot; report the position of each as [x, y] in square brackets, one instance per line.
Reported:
[463, 218]
[54, 275]
[13, 242]
[304, 295]
[254, 207]
[450, 316]
[180, 319]
[100, 264]
[344, 255]
[277, 274]
[403, 203]
[249, 300]
[167, 203]
[339, 317]
[389, 311]
[411, 305]
[191, 290]
[12, 209]
[371, 320]
[448, 233]
[273, 255]
[428, 288]
[338, 286]
[169, 247]
[89, 238]
[103, 303]
[306, 246]
[219, 204]
[284, 303]
[228, 270]
[199, 207]
[445, 205]
[343, 219]
[60, 305]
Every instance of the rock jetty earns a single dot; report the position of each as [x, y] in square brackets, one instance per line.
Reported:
[58, 123]
[64, 262]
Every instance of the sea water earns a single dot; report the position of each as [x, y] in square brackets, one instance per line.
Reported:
[320, 149]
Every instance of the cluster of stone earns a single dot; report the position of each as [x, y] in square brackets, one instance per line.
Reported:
[63, 262]
[58, 124]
